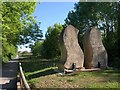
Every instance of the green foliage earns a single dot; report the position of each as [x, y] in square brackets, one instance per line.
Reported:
[15, 16]
[31, 33]
[18, 26]
[25, 54]
[103, 15]
[37, 48]
[51, 48]
[8, 51]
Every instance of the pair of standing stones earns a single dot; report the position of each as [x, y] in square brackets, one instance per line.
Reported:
[72, 56]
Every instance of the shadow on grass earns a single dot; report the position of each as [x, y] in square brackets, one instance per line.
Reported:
[38, 65]
[44, 73]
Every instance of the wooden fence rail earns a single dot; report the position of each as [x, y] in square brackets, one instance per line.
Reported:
[23, 83]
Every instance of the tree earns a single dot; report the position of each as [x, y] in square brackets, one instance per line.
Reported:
[103, 15]
[31, 33]
[51, 48]
[17, 26]
[118, 29]
[37, 48]
[82, 17]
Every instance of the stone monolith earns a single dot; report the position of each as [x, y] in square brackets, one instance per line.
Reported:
[94, 52]
[71, 53]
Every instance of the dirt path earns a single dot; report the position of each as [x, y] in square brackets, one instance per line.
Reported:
[9, 73]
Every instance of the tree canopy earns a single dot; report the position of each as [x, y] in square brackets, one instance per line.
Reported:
[37, 48]
[18, 26]
[51, 48]
[103, 15]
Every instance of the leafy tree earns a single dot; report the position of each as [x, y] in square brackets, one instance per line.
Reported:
[37, 48]
[51, 48]
[82, 17]
[17, 25]
[104, 15]
[8, 51]
[118, 28]
[31, 33]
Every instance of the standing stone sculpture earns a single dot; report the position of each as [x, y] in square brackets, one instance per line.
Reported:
[71, 53]
[94, 51]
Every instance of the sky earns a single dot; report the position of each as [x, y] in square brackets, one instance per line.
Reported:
[49, 13]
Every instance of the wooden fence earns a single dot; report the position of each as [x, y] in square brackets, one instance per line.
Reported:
[22, 83]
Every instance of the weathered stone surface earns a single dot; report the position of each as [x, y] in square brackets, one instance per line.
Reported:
[94, 51]
[71, 53]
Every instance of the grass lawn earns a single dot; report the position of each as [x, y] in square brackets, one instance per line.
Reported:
[40, 74]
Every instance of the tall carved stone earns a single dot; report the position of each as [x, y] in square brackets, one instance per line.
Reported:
[94, 51]
[71, 53]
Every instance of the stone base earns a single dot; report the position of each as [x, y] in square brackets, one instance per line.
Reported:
[93, 69]
[70, 72]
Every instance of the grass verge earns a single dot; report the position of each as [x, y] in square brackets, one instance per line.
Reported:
[40, 74]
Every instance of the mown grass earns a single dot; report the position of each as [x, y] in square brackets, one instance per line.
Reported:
[40, 74]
